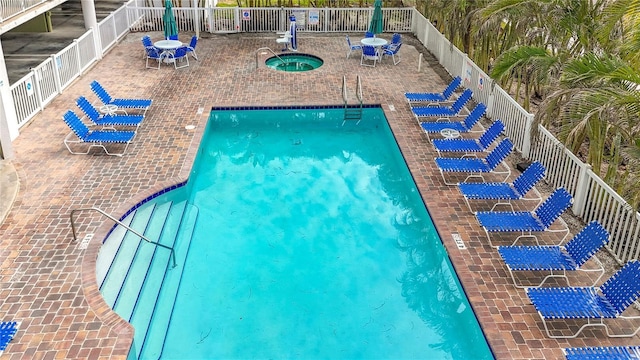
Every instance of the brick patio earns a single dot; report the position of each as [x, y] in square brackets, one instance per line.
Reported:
[48, 283]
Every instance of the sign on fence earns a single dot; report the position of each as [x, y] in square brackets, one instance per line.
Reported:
[246, 16]
[300, 18]
[467, 73]
[314, 17]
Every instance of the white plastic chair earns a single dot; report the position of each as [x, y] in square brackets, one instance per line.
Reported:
[285, 40]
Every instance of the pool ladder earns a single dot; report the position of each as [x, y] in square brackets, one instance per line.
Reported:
[351, 112]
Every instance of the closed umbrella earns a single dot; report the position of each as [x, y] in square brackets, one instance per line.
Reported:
[293, 32]
[170, 25]
[376, 20]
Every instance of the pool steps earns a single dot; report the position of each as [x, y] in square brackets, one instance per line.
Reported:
[130, 270]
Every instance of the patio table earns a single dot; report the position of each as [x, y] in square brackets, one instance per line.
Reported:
[450, 133]
[375, 42]
[168, 47]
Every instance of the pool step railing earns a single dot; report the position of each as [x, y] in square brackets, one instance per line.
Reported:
[132, 274]
[75, 239]
[351, 112]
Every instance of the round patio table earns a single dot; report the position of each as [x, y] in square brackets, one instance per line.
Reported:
[375, 42]
[167, 47]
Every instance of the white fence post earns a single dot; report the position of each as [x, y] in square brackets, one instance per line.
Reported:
[580, 197]
[56, 74]
[238, 16]
[426, 32]
[37, 89]
[491, 99]
[526, 140]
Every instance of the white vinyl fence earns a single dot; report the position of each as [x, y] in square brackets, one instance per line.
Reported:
[593, 199]
[9, 8]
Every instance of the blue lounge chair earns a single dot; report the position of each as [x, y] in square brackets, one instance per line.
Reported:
[94, 138]
[8, 330]
[527, 222]
[443, 111]
[558, 259]
[603, 352]
[593, 304]
[464, 126]
[504, 192]
[435, 97]
[107, 120]
[103, 95]
[477, 166]
[352, 47]
[469, 145]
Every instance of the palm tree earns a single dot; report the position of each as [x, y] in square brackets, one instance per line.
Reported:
[588, 82]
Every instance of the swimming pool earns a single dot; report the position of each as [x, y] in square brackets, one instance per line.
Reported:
[312, 242]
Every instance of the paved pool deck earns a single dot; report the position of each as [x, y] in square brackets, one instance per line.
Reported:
[47, 282]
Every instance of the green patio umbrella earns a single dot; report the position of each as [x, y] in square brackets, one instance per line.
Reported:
[376, 20]
[170, 25]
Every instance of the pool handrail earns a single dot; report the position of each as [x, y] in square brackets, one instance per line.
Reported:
[273, 52]
[73, 229]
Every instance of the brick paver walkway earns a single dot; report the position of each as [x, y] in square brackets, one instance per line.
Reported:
[48, 283]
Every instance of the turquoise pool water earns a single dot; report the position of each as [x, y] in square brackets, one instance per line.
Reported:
[312, 242]
[294, 62]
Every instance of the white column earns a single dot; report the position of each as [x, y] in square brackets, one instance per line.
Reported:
[91, 22]
[8, 118]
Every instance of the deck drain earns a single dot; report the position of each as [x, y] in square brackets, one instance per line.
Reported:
[190, 127]
[392, 108]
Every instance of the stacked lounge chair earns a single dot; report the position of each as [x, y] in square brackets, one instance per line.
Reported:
[94, 138]
[107, 120]
[476, 167]
[131, 104]
[443, 111]
[445, 95]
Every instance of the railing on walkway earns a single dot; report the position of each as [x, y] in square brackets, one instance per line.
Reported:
[593, 199]
[9, 8]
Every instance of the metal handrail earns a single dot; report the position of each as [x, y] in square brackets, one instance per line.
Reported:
[359, 89]
[273, 52]
[73, 229]
[344, 90]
